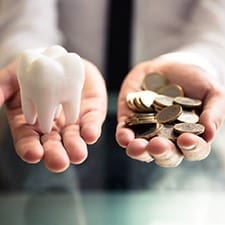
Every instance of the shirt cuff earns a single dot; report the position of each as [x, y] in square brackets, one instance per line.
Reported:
[191, 59]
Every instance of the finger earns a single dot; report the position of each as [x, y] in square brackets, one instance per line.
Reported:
[211, 117]
[193, 147]
[93, 104]
[164, 152]
[29, 148]
[136, 149]
[55, 155]
[26, 139]
[75, 146]
[8, 82]
[131, 83]
[91, 125]
[123, 134]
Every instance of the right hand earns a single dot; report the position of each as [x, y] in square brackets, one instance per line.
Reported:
[64, 144]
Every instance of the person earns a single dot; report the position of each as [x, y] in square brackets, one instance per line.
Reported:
[184, 42]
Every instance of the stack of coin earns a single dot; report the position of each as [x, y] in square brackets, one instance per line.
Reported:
[161, 109]
[141, 101]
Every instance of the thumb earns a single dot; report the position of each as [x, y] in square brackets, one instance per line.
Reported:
[8, 82]
[213, 115]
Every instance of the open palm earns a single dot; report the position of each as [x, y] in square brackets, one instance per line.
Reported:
[196, 83]
[64, 144]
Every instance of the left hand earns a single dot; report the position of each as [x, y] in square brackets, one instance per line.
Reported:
[196, 83]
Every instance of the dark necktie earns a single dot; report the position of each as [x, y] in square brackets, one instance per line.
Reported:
[118, 42]
[117, 66]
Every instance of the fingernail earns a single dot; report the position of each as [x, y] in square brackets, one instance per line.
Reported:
[189, 147]
[145, 157]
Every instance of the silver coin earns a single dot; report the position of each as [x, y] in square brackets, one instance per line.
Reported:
[194, 128]
[188, 117]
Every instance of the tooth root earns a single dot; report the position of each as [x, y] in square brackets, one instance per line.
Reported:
[58, 111]
[28, 109]
[71, 110]
[46, 116]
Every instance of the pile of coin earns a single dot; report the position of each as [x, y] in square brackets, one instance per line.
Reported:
[161, 109]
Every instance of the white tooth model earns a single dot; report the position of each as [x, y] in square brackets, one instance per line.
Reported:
[49, 78]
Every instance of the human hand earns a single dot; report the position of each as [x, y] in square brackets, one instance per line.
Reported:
[64, 144]
[196, 83]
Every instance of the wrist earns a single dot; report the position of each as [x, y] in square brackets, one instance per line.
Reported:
[190, 58]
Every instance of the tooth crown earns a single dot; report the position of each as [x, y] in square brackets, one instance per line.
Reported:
[49, 78]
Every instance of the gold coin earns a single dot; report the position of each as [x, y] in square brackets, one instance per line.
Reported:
[172, 90]
[167, 131]
[194, 128]
[144, 115]
[154, 81]
[130, 100]
[130, 96]
[157, 108]
[134, 103]
[139, 106]
[134, 122]
[131, 105]
[147, 98]
[163, 100]
[188, 102]
[146, 118]
[147, 121]
[141, 119]
[137, 103]
[188, 117]
[148, 131]
[169, 114]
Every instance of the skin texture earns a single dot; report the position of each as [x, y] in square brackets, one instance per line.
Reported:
[68, 144]
[196, 84]
[64, 144]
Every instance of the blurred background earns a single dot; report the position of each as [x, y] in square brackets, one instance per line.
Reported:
[109, 187]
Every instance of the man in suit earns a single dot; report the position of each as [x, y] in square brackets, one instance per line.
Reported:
[185, 40]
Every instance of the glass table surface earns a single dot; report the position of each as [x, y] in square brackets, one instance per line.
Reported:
[112, 189]
[107, 208]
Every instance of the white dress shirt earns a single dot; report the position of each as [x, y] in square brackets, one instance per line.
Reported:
[195, 27]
